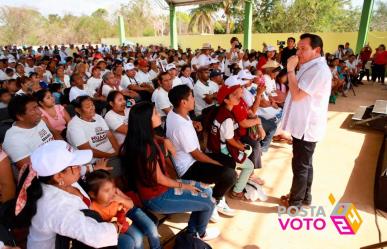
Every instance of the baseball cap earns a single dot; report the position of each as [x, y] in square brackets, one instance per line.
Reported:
[142, 63]
[129, 66]
[233, 81]
[170, 67]
[224, 91]
[213, 61]
[55, 156]
[215, 73]
[270, 48]
[245, 75]
[11, 60]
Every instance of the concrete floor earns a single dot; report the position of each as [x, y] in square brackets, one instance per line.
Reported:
[344, 165]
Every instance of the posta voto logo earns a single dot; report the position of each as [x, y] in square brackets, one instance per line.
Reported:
[344, 217]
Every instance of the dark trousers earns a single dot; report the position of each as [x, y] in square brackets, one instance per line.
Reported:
[224, 176]
[378, 73]
[302, 167]
[255, 156]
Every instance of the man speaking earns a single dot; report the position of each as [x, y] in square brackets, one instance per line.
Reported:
[305, 113]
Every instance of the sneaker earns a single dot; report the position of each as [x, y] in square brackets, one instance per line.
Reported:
[224, 209]
[211, 233]
[215, 218]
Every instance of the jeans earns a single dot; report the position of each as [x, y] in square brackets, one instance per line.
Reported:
[176, 200]
[142, 225]
[255, 156]
[270, 127]
[224, 176]
[302, 167]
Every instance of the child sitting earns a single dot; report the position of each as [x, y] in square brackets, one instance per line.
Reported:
[224, 137]
[115, 206]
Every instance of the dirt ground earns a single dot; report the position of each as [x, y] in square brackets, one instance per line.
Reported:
[344, 165]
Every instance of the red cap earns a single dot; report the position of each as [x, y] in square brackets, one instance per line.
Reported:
[142, 63]
[224, 91]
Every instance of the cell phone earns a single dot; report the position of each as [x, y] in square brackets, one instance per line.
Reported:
[129, 103]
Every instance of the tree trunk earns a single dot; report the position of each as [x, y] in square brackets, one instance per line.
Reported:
[228, 25]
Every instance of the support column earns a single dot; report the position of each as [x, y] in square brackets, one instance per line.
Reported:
[121, 28]
[247, 24]
[364, 24]
[172, 26]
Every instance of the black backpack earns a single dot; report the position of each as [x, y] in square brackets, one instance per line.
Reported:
[186, 240]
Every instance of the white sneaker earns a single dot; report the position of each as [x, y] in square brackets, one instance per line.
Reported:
[215, 218]
[224, 209]
[211, 233]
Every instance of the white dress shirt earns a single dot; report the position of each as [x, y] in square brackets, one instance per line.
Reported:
[308, 117]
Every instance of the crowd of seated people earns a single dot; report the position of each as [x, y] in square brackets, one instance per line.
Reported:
[93, 133]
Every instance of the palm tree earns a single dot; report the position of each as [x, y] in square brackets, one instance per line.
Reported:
[203, 18]
[230, 8]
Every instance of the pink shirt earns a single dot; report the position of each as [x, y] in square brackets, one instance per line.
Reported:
[58, 123]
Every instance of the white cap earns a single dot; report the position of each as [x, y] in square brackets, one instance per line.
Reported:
[234, 81]
[3, 57]
[55, 156]
[213, 61]
[129, 66]
[270, 48]
[245, 75]
[11, 60]
[170, 67]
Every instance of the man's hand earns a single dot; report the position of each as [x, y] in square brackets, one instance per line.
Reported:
[292, 63]
[197, 125]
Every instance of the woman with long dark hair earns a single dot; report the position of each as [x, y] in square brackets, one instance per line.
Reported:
[146, 168]
[50, 200]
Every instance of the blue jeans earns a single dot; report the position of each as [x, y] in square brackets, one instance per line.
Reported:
[142, 226]
[270, 127]
[177, 200]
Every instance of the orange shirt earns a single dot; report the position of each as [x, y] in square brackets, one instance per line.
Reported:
[107, 213]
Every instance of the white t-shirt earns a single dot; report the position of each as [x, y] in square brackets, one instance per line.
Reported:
[114, 121]
[188, 81]
[95, 133]
[177, 82]
[19, 143]
[194, 61]
[200, 90]
[75, 92]
[308, 117]
[125, 82]
[249, 63]
[153, 74]
[142, 77]
[162, 101]
[271, 86]
[93, 84]
[106, 89]
[183, 136]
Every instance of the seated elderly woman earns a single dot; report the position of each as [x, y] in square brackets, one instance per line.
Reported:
[88, 130]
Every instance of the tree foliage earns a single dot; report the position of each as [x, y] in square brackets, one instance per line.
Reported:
[24, 26]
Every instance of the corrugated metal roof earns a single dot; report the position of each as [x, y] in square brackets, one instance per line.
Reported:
[190, 2]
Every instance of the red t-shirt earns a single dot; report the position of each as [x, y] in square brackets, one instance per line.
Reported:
[147, 193]
[261, 61]
[240, 112]
[381, 58]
